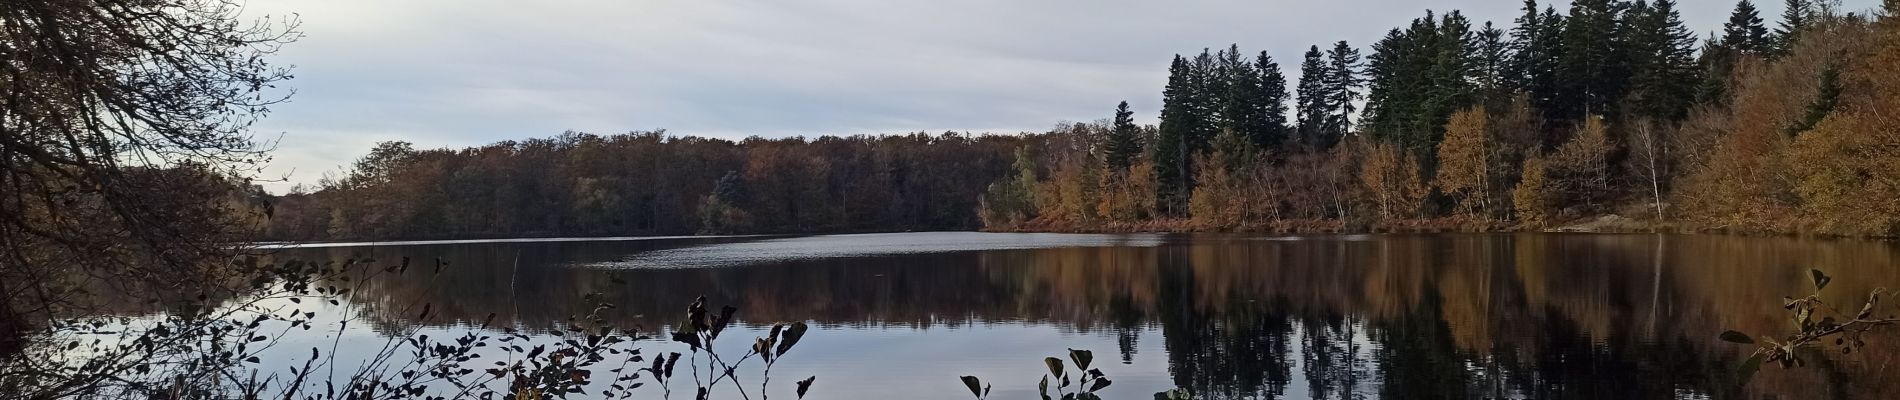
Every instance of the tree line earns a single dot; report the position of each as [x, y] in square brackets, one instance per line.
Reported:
[1609, 107]
[647, 183]
[1613, 107]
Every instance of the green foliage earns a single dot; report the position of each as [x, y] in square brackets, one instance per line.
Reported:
[1744, 31]
[1342, 82]
[1595, 65]
[1417, 77]
[1313, 99]
[1825, 99]
[1173, 147]
[1123, 144]
[1796, 17]
[1012, 200]
[1664, 73]
[1267, 125]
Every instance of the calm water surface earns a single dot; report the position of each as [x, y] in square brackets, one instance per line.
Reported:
[1229, 316]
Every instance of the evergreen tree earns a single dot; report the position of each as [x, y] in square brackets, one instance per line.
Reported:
[1405, 73]
[1492, 64]
[1744, 31]
[1207, 85]
[1664, 74]
[1824, 101]
[1269, 130]
[1124, 140]
[1538, 45]
[1240, 108]
[1718, 65]
[1795, 19]
[1523, 46]
[1594, 67]
[1312, 97]
[1342, 89]
[1453, 49]
[1170, 149]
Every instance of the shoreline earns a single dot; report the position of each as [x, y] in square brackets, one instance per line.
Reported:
[1605, 223]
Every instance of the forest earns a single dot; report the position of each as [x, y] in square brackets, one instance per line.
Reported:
[1608, 108]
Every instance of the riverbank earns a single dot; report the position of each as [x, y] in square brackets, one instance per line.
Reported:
[1604, 223]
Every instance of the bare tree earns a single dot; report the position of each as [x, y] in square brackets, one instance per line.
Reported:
[124, 130]
[1646, 154]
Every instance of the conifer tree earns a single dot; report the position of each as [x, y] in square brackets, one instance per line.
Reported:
[1717, 63]
[1269, 131]
[1594, 68]
[1342, 89]
[1242, 110]
[1207, 86]
[1795, 19]
[1124, 140]
[1491, 66]
[1525, 51]
[1453, 50]
[1231, 84]
[1312, 97]
[1744, 31]
[1547, 85]
[1664, 73]
[1170, 148]
[1825, 99]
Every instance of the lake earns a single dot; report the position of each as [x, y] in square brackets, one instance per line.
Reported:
[1227, 316]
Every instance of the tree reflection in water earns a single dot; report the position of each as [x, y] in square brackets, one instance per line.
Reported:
[1425, 316]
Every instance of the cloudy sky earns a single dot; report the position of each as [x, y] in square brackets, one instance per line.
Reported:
[454, 73]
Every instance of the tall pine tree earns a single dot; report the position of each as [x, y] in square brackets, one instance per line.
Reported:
[1491, 66]
[1744, 31]
[1664, 73]
[1342, 90]
[1795, 19]
[1124, 140]
[1237, 111]
[1171, 154]
[1537, 42]
[1208, 84]
[1594, 68]
[1312, 97]
[1269, 130]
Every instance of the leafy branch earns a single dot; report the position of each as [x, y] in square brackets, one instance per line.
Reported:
[1847, 332]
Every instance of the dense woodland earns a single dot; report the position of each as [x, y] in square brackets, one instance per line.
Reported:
[1610, 107]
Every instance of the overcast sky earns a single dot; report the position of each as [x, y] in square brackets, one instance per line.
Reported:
[455, 73]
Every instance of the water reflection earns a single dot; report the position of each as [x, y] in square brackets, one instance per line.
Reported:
[1398, 317]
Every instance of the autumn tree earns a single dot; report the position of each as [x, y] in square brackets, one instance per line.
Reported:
[124, 133]
[1011, 201]
[1533, 196]
[1465, 159]
[1223, 194]
[1581, 166]
[1392, 177]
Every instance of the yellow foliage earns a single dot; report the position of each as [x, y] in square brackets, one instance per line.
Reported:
[1531, 198]
[1220, 200]
[1392, 176]
[1848, 167]
[1128, 196]
[1465, 160]
[1581, 165]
